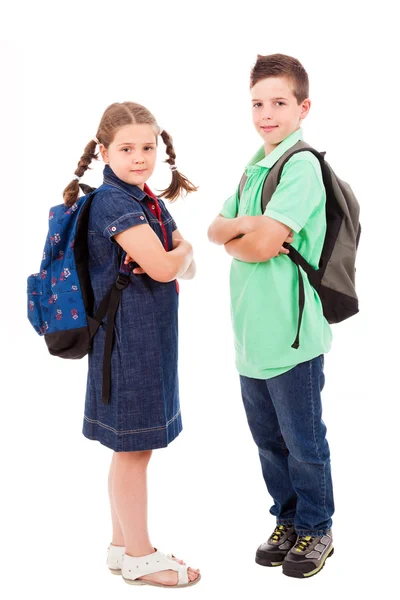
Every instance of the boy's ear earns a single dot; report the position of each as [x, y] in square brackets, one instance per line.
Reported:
[305, 108]
[103, 152]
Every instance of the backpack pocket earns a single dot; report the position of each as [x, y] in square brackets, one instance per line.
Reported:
[35, 295]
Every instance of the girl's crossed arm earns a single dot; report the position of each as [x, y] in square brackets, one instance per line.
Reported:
[177, 238]
[141, 243]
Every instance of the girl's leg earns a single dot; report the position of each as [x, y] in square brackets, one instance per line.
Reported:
[129, 494]
[117, 535]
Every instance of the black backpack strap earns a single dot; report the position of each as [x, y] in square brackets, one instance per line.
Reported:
[294, 255]
[109, 306]
[313, 275]
[114, 299]
[302, 299]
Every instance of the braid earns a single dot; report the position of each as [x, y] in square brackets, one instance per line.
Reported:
[179, 182]
[71, 192]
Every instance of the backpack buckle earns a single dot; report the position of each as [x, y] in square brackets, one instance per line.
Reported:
[122, 281]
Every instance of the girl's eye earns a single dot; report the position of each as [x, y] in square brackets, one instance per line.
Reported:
[148, 148]
[257, 104]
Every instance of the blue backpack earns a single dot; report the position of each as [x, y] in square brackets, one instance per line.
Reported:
[60, 296]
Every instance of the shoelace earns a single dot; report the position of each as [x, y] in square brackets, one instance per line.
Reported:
[302, 543]
[280, 530]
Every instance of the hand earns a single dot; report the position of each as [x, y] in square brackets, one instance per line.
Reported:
[289, 240]
[176, 242]
[128, 259]
[247, 224]
[138, 270]
[181, 242]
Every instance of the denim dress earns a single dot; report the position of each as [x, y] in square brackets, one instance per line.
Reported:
[143, 412]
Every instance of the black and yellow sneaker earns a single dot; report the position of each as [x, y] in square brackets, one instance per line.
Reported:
[273, 552]
[308, 555]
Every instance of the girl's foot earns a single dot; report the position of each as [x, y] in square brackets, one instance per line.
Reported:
[170, 577]
[114, 561]
[192, 573]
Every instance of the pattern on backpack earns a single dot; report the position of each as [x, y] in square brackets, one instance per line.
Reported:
[54, 303]
[60, 296]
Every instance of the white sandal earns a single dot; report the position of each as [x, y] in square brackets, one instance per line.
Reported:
[114, 558]
[135, 567]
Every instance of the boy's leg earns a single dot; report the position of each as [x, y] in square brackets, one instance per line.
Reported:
[273, 452]
[296, 396]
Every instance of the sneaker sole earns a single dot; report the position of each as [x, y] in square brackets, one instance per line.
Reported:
[300, 575]
[265, 562]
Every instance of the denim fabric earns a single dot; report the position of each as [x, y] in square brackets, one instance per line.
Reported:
[144, 411]
[285, 418]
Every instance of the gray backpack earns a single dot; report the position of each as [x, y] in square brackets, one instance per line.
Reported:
[334, 280]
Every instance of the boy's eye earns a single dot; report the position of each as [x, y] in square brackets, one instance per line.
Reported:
[280, 103]
[123, 149]
[256, 104]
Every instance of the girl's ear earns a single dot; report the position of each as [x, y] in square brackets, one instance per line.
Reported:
[104, 153]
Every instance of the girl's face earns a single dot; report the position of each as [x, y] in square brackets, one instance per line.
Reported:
[132, 153]
[276, 113]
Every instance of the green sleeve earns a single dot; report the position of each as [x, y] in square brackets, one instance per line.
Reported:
[231, 207]
[299, 192]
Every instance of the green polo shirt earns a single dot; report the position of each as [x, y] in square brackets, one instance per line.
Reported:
[264, 296]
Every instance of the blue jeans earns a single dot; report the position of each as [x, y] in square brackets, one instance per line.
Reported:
[285, 418]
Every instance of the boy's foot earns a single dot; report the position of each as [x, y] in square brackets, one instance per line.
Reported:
[273, 552]
[308, 555]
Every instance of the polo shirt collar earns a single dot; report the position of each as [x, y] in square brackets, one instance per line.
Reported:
[110, 177]
[260, 160]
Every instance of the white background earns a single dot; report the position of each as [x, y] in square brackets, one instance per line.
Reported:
[61, 66]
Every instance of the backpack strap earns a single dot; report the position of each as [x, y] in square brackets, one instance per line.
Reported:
[269, 187]
[108, 306]
[270, 184]
[114, 299]
[242, 183]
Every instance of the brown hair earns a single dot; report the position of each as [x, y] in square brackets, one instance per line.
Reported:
[115, 116]
[280, 65]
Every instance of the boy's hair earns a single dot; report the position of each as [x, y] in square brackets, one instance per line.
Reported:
[116, 116]
[281, 65]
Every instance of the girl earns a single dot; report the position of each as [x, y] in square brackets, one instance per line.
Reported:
[128, 224]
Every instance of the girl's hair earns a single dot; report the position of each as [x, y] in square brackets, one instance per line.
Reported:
[115, 116]
[280, 65]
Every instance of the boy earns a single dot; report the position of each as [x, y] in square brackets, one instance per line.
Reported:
[280, 382]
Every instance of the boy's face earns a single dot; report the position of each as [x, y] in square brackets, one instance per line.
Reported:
[276, 113]
[132, 153]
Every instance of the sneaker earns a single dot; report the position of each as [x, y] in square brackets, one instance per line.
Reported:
[308, 555]
[273, 552]
[114, 558]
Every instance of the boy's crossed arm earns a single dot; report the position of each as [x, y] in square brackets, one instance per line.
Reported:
[250, 239]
